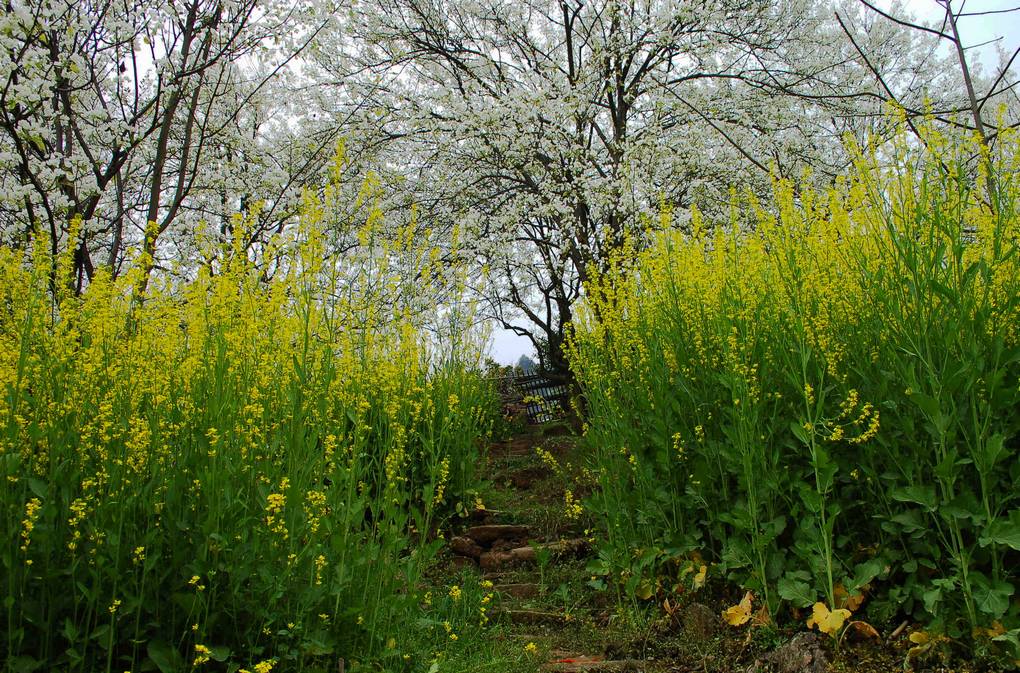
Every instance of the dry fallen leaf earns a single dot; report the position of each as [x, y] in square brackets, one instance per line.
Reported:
[740, 613]
[761, 617]
[863, 629]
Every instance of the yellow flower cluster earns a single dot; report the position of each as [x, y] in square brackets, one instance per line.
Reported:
[572, 508]
[32, 508]
[275, 504]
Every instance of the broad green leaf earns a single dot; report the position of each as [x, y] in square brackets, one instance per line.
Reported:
[991, 451]
[866, 572]
[991, 597]
[963, 506]
[166, 658]
[38, 487]
[796, 591]
[922, 495]
[1004, 532]
[927, 404]
[799, 432]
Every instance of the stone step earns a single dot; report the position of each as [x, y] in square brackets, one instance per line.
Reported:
[486, 516]
[494, 560]
[465, 546]
[486, 535]
[595, 664]
[519, 590]
[532, 617]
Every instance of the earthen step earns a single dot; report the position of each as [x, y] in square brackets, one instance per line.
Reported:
[494, 560]
[595, 664]
[465, 546]
[519, 590]
[532, 617]
[487, 534]
[485, 516]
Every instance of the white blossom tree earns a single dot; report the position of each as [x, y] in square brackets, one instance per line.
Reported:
[136, 117]
[551, 132]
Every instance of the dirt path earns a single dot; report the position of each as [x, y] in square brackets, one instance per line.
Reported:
[532, 546]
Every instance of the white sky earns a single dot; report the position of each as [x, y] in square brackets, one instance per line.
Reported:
[506, 347]
[975, 30]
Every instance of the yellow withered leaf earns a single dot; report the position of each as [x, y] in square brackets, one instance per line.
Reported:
[699, 579]
[919, 638]
[844, 599]
[739, 614]
[827, 621]
[995, 630]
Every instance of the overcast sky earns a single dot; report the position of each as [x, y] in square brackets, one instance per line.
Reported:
[1004, 28]
[995, 31]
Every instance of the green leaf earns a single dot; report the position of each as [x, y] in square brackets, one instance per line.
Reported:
[1003, 531]
[793, 588]
[963, 506]
[101, 634]
[927, 404]
[24, 664]
[1011, 637]
[38, 487]
[799, 432]
[826, 469]
[812, 500]
[219, 653]
[931, 599]
[922, 495]
[991, 597]
[867, 571]
[166, 658]
[991, 451]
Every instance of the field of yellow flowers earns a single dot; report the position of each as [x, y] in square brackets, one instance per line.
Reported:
[231, 473]
[817, 401]
[820, 397]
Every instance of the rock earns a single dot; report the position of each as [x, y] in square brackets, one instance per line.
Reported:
[519, 590]
[487, 534]
[699, 622]
[465, 547]
[803, 654]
